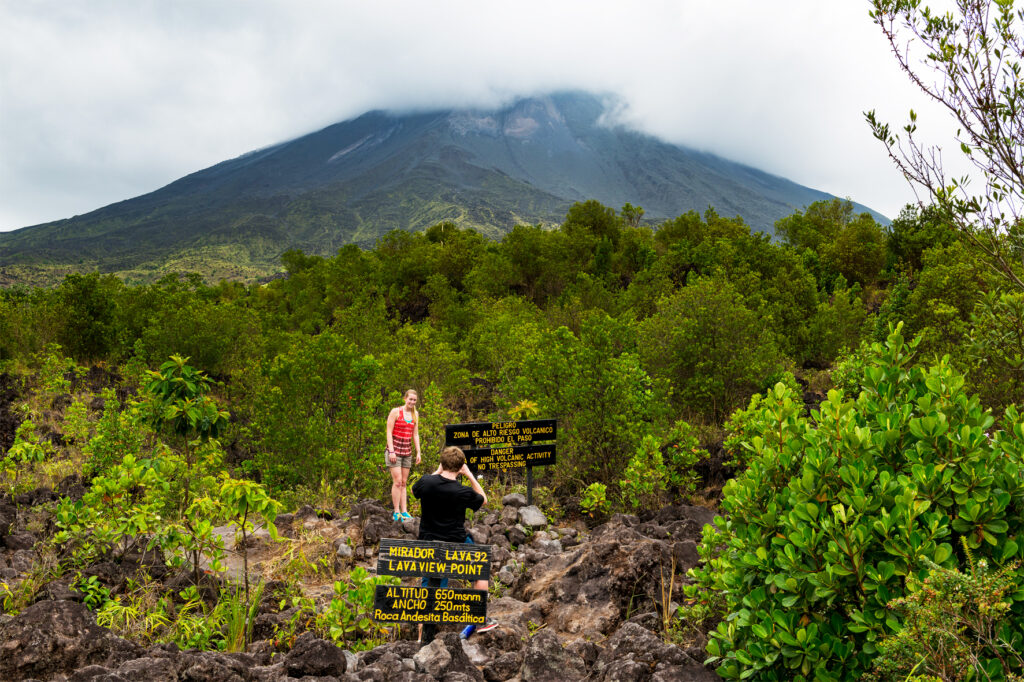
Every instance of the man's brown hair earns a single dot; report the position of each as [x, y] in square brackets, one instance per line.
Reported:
[452, 458]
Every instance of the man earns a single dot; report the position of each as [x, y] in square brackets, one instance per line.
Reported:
[443, 504]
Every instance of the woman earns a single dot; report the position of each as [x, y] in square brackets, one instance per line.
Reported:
[403, 431]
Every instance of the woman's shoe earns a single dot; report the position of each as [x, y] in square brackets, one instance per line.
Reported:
[406, 516]
[397, 516]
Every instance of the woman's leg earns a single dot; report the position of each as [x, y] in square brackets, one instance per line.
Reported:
[404, 495]
[397, 487]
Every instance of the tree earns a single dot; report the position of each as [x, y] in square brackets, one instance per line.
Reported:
[594, 386]
[914, 231]
[816, 227]
[632, 214]
[847, 244]
[314, 413]
[858, 252]
[714, 350]
[968, 62]
[90, 308]
[594, 219]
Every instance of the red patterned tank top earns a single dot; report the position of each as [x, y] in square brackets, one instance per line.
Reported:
[401, 435]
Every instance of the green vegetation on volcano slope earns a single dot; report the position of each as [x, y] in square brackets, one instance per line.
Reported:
[686, 321]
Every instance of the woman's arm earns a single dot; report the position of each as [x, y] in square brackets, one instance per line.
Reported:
[416, 439]
[391, 427]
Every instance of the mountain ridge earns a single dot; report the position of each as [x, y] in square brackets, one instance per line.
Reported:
[353, 181]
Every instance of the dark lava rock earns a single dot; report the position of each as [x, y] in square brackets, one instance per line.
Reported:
[314, 656]
[587, 591]
[214, 668]
[545, 659]
[60, 589]
[53, 637]
[504, 667]
[636, 654]
[145, 669]
[18, 541]
[444, 658]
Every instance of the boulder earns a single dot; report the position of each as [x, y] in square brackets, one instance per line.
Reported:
[8, 513]
[50, 638]
[444, 658]
[532, 517]
[508, 515]
[343, 550]
[212, 668]
[19, 541]
[636, 653]
[21, 560]
[504, 667]
[545, 659]
[516, 535]
[686, 555]
[142, 669]
[514, 500]
[312, 655]
[700, 516]
[60, 589]
[268, 622]
[548, 546]
[378, 527]
[95, 673]
[588, 590]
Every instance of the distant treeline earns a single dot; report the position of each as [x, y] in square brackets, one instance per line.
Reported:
[616, 329]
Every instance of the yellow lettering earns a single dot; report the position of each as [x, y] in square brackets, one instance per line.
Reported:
[411, 552]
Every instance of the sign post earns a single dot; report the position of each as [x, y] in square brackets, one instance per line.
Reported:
[501, 446]
[400, 604]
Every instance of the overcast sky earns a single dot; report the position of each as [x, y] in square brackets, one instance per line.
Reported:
[103, 100]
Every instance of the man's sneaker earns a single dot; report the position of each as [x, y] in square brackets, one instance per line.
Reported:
[489, 624]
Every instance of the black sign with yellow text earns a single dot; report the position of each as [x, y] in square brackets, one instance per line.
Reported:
[434, 559]
[493, 434]
[503, 458]
[399, 604]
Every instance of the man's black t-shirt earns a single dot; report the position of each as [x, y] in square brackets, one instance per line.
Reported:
[443, 505]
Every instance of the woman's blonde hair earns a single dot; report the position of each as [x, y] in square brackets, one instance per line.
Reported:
[415, 411]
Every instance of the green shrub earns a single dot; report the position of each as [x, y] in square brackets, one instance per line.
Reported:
[348, 617]
[953, 621]
[782, 404]
[682, 452]
[603, 400]
[18, 465]
[595, 499]
[120, 431]
[837, 510]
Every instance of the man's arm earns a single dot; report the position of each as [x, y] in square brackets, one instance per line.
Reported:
[473, 483]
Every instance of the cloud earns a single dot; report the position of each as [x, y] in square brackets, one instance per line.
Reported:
[104, 100]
